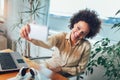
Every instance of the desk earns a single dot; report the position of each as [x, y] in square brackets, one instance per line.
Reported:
[55, 76]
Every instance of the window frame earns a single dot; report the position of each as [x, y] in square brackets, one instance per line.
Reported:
[2, 7]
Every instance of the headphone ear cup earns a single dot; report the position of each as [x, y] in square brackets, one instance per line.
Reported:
[33, 72]
[23, 71]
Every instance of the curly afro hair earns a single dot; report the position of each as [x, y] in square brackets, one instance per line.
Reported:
[90, 17]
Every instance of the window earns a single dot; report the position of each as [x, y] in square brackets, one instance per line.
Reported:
[1, 11]
[1, 7]
[66, 7]
[62, 10]
[105, 8]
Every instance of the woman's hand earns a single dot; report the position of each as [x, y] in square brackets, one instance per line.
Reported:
[24, 32]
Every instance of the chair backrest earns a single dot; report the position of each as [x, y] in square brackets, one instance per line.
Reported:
[3, 42]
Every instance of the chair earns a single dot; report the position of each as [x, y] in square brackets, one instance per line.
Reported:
[78, 77]
[3, 39]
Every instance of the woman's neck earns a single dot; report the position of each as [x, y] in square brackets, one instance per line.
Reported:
[73, 42]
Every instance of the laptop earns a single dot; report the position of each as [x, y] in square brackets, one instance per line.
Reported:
[11, 61]
[38, 32]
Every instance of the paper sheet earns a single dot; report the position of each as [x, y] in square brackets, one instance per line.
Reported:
[38, 32]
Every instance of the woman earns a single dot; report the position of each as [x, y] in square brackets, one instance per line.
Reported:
[72, 49]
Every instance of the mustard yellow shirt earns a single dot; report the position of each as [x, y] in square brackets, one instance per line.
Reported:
[72, 59]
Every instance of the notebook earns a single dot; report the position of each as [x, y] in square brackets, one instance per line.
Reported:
[11, 61]
[38, 32]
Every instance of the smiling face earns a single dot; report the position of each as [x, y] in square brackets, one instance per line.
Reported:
[79, 31]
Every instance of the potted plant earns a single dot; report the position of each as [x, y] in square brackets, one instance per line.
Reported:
[30, 13]
[106, 55]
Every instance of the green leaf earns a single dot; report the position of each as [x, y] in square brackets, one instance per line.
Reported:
[96, 43]
[93, 55]
[117, 12]
[117, 25]
[105, 43]
[98, 49]
[91, 70]
[101, 60]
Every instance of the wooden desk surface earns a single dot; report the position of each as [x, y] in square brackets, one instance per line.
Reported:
[55, 76]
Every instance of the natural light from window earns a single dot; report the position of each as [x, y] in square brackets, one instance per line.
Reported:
[105, 8]
[1, 7]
